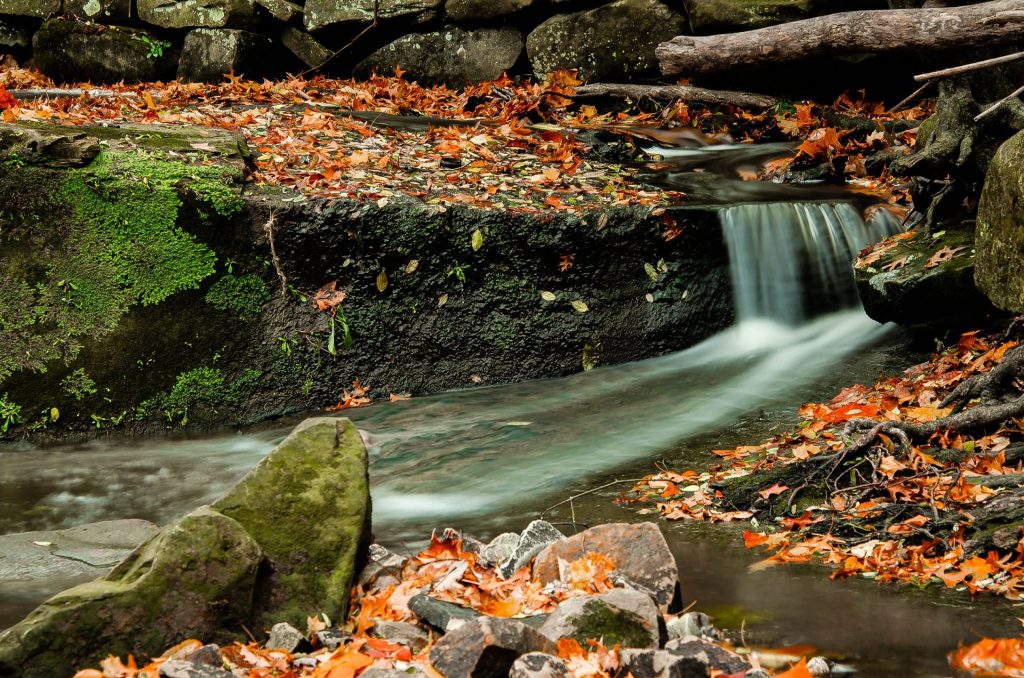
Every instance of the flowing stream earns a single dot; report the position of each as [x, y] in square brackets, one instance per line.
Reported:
[490, 460]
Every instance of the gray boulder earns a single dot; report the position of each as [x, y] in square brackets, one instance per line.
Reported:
[691, 624]
[711, 655]
[452, 56]
[403, 633]
[440, 614]
[1000, 238]
[282, 10]
[534, 538]
[639, 551]
[622, 616]
[70, 51]
[304, 46]
[612, 42]
[284, 636]
[197, 13]
[481, 10]
[486, 647]
[299, 520]
[211, 53]
[539, 665]
[102, 11]
[500, 549]
[735, 15]
[34, 8]
[321, 14]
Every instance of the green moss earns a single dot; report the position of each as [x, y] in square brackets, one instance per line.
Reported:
[201, 385]
[120, 244]
[600, 620]
[244, 295]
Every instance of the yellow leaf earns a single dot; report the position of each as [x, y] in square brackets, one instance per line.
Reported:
[412, 266]
[477, 240]
[443, 300]
[382, 281]
[651, 273]
[547, 296]
[54, 414]
[579, 306]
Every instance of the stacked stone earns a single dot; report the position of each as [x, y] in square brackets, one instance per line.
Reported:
[434, 41]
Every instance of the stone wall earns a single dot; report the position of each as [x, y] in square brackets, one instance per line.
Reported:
[433, 41]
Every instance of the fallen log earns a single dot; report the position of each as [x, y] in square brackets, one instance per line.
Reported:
[863, 32]
[687, 93]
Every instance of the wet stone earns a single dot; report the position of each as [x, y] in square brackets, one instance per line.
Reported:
[660, 664]
[441, 615]
[712, 655]
[177, 668]
[691, 624]
[209, 54]
[819, 667]
[332, 639]
[500, 549]
[486, 646]
[621, 616]
[403, 633]
[539, 665]
[207, 655]
[534, 538]
[639, 551]
[285, 637]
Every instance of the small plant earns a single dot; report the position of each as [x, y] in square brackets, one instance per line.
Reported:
[10, 413]
[78, 384]
[459, 271]
[156, 47]
[286, 345]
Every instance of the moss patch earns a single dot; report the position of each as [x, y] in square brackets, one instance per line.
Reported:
[243, 296]
[615, 626]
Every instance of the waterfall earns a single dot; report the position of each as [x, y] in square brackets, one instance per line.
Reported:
[792, 261]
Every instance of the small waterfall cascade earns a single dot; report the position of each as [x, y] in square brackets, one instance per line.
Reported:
[792, 261]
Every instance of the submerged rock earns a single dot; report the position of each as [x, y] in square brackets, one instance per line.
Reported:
[621, 616]
[70, 51]
[283, 543]
[999, 273]
[452, 56]
[610, 43]
[639, 551]
[486, 647]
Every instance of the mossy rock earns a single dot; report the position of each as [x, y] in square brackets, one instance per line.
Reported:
[284, 544]
[623, 617]
[914, 284]
[999, 273]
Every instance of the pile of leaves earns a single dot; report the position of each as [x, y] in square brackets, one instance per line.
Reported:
[851, 489]
[519, 145]
[446, 571]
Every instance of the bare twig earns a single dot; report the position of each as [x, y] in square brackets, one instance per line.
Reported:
[590, 491]
[911, 97]
[351, 43]
[1016, 93]
[967, 68]
[268, 228]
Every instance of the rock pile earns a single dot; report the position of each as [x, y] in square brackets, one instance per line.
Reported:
[449, 41]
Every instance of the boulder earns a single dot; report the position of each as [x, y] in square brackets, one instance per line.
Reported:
[611, 43]
[403, 633]
[711, 16]
[660, 664]
[639, 551]
[691, 624]
[34, 8]
[282, 544]
[304, 46]
[441, 614]
[999, 271]
[452, 56]
[534, 538]
[320, 14]
[539, 665]
[284, 636]
[906, 285]
[482, 10]
[70, 51]
[486, 647]
[711, 655]
[307, 504]
[622, 616]
[211, 53]
[282, 10]
[100, 11]
[194, 579]
[197, 13]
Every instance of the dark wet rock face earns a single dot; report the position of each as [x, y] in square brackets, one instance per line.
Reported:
[210, 53]
[486, 647]
[285, 541]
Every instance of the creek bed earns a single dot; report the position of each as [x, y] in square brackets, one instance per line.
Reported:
[490, 460]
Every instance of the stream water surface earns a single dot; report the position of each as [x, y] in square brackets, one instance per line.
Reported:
[490, 460]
